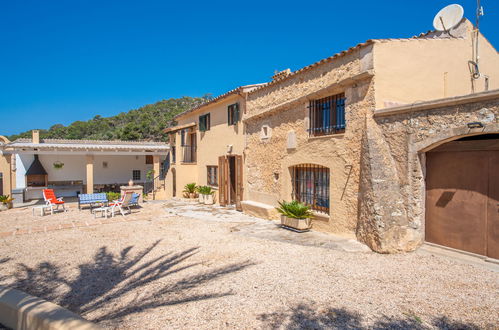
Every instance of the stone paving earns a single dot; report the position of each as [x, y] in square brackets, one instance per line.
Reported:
[247, 225]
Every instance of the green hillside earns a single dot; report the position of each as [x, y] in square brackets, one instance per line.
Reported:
[144, 123]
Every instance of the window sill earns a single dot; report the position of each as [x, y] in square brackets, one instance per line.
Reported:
[337, 135]
[320, 216]
[188, 163]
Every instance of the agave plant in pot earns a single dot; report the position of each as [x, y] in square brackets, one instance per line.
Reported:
[5, 202]
[295, 215]
[190, 190]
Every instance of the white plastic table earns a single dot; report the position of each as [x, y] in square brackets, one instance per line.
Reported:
[42, 209]
[103, 211]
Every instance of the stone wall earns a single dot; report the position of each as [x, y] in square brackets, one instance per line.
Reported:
[392, 188]
[283, 109]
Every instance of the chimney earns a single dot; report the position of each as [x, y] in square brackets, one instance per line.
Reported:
[281, 74]
[36, 136]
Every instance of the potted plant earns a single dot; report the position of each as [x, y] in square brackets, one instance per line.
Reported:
[206, 195]
[200, 190]
[5, 202]
[190, 190]
[295, 215]
[58, 165]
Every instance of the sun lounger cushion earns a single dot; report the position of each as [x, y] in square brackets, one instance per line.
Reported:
[135, 199]
[91, 198]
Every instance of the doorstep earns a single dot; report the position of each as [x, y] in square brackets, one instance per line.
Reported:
[459, 256]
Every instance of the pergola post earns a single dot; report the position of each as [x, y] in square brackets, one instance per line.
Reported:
[90, 174]
[155, 160]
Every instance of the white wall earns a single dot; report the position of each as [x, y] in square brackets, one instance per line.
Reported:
[23, 162]
[74, 167]
[119, 168]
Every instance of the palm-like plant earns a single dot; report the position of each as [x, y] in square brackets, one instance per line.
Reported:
[294, 209]
[190, 188]
[205, 190]
[5, 199]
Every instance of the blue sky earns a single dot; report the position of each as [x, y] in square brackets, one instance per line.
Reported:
[62, 61]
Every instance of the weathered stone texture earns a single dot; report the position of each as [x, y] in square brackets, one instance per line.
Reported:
[306, 83]
[266, 158]
[391, 212]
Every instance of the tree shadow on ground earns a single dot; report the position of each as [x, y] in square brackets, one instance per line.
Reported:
[101, 284]
[306, 316]
[3, 261]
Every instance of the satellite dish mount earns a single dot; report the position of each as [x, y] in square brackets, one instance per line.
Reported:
[448, 18]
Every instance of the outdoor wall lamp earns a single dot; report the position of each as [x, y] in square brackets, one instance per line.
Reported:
[475, 124]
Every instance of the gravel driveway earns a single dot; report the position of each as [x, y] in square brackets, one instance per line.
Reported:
[172, 271]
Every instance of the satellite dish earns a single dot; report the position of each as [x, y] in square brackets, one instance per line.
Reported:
[448, 17]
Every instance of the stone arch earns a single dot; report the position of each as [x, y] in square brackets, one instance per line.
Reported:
[3, 139]
[417, 165]
[452, 134]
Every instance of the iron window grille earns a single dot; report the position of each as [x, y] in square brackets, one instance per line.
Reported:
[311, 186]
[204, 122]
[136, 175]
[327, 115]
[212, 178]
[233, 114]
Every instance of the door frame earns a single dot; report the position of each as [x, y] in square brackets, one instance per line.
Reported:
[224, 182]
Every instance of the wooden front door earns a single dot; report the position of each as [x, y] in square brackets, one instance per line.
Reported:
[230, 180]
[1, 183]
[462, 197]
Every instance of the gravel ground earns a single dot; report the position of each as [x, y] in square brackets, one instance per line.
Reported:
[182, 272]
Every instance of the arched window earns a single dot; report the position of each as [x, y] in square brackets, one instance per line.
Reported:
[311, 186]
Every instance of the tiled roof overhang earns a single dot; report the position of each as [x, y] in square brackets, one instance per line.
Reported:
[316, 94]
[177, 128]
[86, 145]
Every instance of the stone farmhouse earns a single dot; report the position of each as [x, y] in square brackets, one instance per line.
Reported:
[394, 142]
[354, 136]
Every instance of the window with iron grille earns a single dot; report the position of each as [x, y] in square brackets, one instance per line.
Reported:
[311, 186]
[204, 122]
[212, 175]
[136, 175]
[233, 114]
[174, 154]
[327, 115]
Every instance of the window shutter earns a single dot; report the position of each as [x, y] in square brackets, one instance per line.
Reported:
[202, 123]
[236, 113]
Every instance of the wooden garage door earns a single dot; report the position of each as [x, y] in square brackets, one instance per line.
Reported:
[462, 196]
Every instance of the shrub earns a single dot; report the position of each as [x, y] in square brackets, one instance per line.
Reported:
[294, 209]
[112, 196]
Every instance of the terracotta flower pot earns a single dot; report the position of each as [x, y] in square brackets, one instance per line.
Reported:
[192, 195]
[298, 224]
